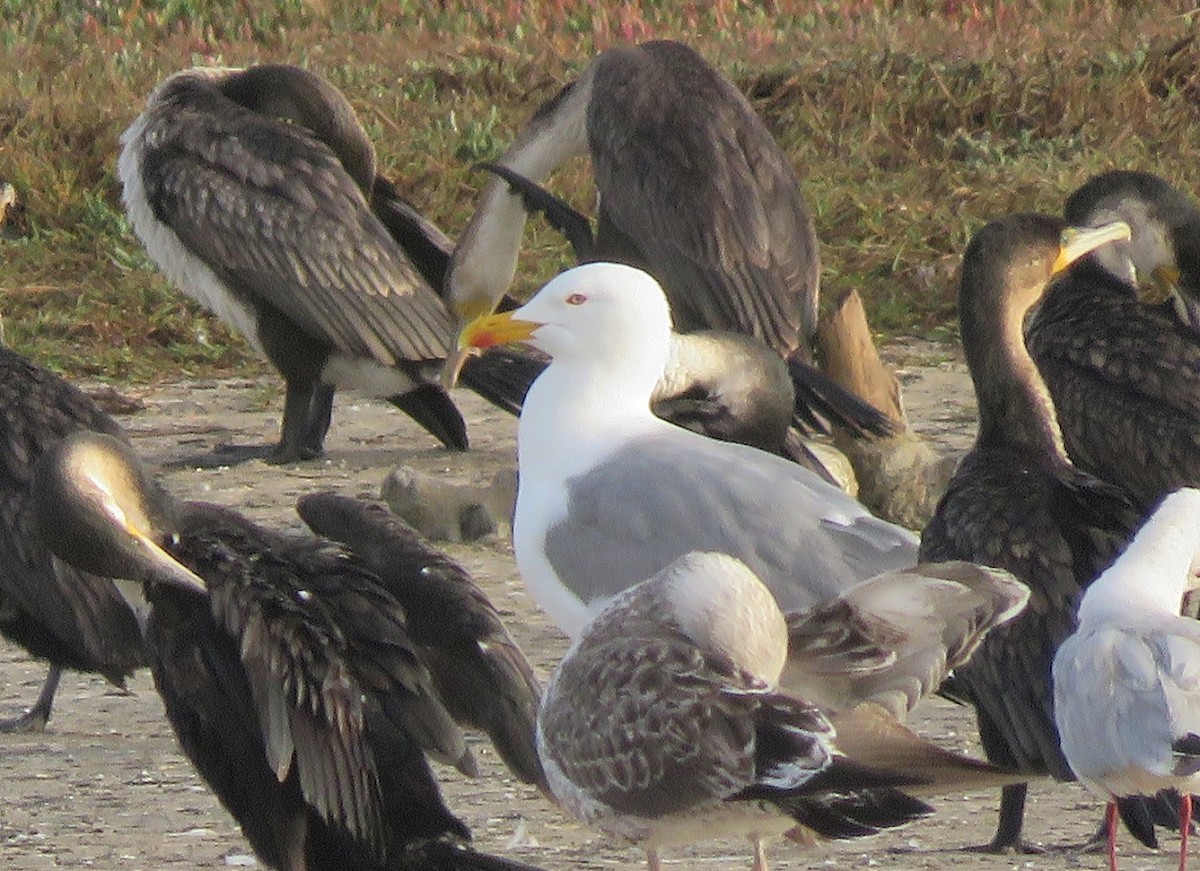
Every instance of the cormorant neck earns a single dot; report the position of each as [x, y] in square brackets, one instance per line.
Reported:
[1015, 409]
[485, 261]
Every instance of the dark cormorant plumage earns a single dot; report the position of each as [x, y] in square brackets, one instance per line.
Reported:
[1123, 373]
[1016, 502]
[287, 669]
[72, 619]
[481, 675]
[692, 188]
[721, 383]
[255, 192]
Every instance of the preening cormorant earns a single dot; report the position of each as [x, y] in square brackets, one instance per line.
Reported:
[70, 618]
[255, 192]
[1124, 373]
[1017, 502]
[287, 669]
[692, 188]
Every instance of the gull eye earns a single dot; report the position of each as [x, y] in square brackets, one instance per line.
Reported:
[576, 299]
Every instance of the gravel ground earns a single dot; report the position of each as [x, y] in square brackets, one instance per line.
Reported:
[107, 788]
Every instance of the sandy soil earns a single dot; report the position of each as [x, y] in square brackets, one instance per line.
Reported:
[106, 787]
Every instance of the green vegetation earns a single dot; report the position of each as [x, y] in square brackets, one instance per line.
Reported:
[912, 122]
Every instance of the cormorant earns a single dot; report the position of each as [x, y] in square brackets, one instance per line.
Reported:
[287, 669]
[692, 188]
[1124, 373]
[1017, 502]
[72, 619]
[255, 192]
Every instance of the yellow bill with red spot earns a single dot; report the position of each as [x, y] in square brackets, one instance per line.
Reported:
[483, 333]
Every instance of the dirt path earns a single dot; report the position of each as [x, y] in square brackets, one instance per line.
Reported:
[106, 787]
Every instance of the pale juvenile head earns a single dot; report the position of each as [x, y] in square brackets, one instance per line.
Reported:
[723, 607]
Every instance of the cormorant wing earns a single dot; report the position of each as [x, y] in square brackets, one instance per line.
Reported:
[273, 213]
[482, 676]
[997, 523]
[695, 183]
[328, 658]
[86, 619]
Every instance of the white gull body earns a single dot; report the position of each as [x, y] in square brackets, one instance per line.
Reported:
[609, 494]
[1127, 683]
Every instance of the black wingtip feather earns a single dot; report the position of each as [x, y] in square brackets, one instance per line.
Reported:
[1141, 813]
[431, 407]
[560, 214]
[856, 814]
[502, 376]
[822, 403]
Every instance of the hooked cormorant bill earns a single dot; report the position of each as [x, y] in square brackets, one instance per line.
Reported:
[692, 189]
[287, 669]
[1118, 343]
[255, 192]
[1016, 502]
[70, 618]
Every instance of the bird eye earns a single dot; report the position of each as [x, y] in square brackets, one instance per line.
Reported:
[577, 299]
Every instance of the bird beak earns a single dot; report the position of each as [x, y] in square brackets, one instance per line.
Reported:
[165, 567]
[1162, 286]
[493, 330]
[1078, 241]
[483, 333]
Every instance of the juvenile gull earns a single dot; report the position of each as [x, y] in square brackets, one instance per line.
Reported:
[662, 725]
[1127, 682]
[609, 494]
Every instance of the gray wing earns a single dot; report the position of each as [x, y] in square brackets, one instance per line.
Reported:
[691, 179]
[662, 496]
[271, 211]
[1127, 697]
[892, 639]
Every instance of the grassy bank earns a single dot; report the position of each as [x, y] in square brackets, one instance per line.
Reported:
[912, 123]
